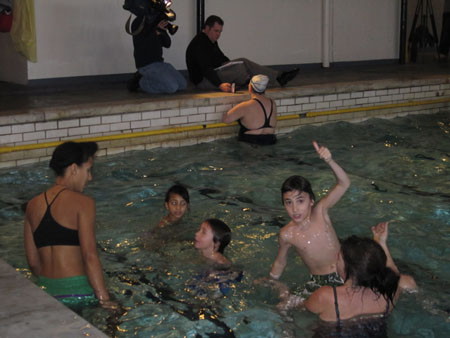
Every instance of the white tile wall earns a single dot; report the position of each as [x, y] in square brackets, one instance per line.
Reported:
[43, 131]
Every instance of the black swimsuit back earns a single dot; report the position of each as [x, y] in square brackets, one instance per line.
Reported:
[49, 232]
[261, 139]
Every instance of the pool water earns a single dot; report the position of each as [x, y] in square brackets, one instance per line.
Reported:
[399, 170]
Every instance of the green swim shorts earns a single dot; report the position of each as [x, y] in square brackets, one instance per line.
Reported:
[316, 282]
[73, 292]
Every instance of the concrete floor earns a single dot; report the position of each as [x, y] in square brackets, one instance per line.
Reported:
[19, 98]
[27, 311]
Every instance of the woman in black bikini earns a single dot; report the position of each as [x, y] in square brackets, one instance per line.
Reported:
[257, 116]
[59, 231]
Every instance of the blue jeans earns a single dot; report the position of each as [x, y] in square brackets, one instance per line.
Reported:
[161, 78]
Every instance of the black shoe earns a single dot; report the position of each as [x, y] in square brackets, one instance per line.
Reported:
[133, 83]
[285, 77]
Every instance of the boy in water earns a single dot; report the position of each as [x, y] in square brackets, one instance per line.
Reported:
[211, 240]
[310, 230]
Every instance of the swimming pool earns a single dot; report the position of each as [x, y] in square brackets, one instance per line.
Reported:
[399, 170]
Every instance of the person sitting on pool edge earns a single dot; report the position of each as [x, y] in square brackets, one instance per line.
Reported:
[59, 231]
[257, 116]
[210, 68]
[372, 286]
[177, 203]
[310, 230]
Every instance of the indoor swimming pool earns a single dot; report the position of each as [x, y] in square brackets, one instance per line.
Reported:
[399, 170]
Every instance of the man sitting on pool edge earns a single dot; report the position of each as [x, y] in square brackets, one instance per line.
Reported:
[256, 128]
[209, 68]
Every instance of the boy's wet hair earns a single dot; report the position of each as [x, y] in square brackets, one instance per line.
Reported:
[298, 183]
[69, 153]
[179, 190]
[221, 231]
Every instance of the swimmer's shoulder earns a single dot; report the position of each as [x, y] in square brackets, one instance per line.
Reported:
[222, 261]
[320, 300]
[164, 221]
[286, 231]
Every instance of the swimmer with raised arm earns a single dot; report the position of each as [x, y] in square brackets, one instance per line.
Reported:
[372, 286]
[310, 230]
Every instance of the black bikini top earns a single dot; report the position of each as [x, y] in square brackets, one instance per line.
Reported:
[49, 232]
[266, 118]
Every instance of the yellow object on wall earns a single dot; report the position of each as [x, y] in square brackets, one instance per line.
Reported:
[23, 30]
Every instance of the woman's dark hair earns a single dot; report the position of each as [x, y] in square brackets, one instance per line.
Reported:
[69, 153]
[365, 263]
[221, 231]
[298, 183]
[179, 190]
[211, 20]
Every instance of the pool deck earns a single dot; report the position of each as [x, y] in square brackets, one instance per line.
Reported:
[28, 311]
[16, 99]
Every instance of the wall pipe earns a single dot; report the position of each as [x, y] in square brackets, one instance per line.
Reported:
[200, 15]
[326, 33]
[403, 28]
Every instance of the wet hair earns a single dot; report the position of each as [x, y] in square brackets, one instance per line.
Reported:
[221, 232]
[69, 153]
[298, 183]
[179, 190]
[211, 20]
[365, 262]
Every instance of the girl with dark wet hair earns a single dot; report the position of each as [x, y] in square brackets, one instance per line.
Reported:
[211, 240]
[59, 231]
[177, 203]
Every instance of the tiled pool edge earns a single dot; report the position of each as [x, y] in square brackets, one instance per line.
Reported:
[171, 121]
[27, 311]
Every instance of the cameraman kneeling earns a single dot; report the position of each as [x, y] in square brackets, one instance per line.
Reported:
[154, 75]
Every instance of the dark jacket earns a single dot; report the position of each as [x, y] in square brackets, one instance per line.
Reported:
[202, 56]
[148, 45]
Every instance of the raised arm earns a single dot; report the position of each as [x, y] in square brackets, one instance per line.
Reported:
[280, 262]
[380, 235]
[88, 246]
[342, 180]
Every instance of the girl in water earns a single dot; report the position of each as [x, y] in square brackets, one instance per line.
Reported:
[59, 231]
[177, 203]
[211, 240]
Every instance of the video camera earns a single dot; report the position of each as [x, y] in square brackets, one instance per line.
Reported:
[154, 11]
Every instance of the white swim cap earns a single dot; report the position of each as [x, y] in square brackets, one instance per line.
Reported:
[259, 83]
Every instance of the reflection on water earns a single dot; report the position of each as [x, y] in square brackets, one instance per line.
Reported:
[399, 170]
